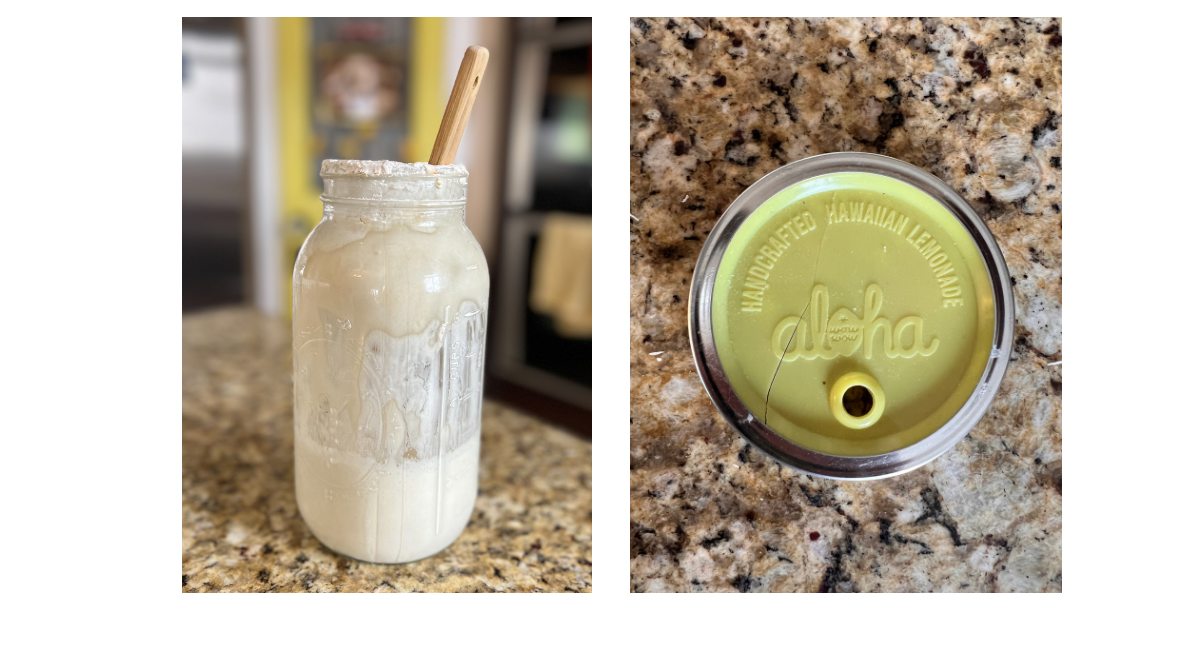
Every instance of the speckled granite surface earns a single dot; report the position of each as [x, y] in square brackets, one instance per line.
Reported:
[241, 531]
[715, 105]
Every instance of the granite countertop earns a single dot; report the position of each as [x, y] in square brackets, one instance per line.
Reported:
[240, 528]
[715, 105]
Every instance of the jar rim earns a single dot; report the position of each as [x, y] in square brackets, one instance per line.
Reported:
[390, 169]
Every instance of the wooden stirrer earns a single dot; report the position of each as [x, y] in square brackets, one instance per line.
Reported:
[460, 103]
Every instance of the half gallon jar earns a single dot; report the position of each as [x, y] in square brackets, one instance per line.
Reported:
[389, 303]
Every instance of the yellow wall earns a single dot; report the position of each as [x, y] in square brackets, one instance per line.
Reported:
[428, 93]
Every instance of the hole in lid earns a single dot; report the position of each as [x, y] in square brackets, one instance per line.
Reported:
[857, 401]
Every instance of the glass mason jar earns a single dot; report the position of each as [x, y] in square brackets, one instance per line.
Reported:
[389, 301]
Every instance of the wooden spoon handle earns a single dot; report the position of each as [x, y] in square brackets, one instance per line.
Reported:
[460, 103]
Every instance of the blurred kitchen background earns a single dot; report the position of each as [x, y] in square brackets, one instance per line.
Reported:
[265, 100]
